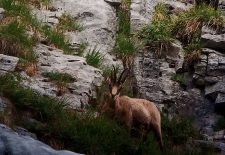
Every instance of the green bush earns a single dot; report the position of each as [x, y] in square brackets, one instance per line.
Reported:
[94, 57]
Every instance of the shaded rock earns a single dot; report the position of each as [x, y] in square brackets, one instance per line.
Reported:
[216, 42]
[7, 63]
[214, 90]
[53, 60]
[113, 2]
[23, 132]
[220, 103]
[14, 144]
[220, 135]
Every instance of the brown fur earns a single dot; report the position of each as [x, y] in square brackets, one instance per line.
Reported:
[130, 109]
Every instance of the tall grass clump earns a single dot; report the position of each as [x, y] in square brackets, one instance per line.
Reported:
[94, 57]
[188, 28]
[189, 23]
[15, 41]
[61, 80]
[68, 23]
[17, 10]
[57, 39]
[158, 34]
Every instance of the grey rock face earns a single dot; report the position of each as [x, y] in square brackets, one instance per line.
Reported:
[154, 75]
[216, 42]
[7, 63]
[98, 19]
[15, 144]
[53, 60]
[141, 13]
[211, 68]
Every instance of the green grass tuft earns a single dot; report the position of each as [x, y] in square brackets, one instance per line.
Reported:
[15, 41]
[94, 57]
[180, 79]
[57, 38]
[68, 23]
[59, 77]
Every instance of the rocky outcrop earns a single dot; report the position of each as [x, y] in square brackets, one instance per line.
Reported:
[7, 63]
[53, 60]
[16, 144]
[141, 12]
[98, 20]
[212, 41]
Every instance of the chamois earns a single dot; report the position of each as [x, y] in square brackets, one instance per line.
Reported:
[129, 109]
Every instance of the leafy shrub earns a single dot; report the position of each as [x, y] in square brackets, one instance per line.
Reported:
[68, 23]
[94, 57]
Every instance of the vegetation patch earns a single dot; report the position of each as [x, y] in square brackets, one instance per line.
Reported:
[180, 79]
[68, 23]
[186, 26]
[94, 57]
[87, 133]
[125, 47]
[15, 41]
[60, 79]
[158, 34]
[57, 39]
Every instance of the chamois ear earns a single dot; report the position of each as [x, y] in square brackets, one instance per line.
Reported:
[123, 76]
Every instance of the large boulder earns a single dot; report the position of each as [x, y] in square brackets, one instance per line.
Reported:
[98, 19]
[53, 60]
[15, 144]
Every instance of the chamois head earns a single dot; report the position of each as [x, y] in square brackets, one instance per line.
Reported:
[116, 85]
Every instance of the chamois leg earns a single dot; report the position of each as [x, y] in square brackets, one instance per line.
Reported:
[157, 129]
[158, 132]
[128, 120]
